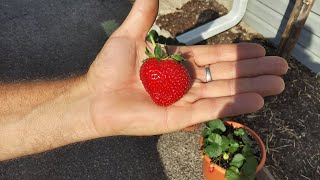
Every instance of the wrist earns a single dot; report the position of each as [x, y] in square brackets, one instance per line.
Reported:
[79, 100]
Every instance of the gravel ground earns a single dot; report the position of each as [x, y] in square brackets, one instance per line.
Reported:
[180, 155]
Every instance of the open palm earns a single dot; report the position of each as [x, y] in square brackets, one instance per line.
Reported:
[241, 73]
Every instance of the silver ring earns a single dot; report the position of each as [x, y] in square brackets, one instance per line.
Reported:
[208, 74]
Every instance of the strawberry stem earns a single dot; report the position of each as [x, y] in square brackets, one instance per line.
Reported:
[158, 52]
[152, 40]
[167, 50]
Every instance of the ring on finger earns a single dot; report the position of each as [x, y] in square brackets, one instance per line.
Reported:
[208, 74]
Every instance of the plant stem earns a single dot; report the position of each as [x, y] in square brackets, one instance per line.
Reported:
[152, 40]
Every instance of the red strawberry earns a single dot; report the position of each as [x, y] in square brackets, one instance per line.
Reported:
[164, 77]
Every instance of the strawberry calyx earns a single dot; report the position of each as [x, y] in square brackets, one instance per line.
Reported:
[158, 51]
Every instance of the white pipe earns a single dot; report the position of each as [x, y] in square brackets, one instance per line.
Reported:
[217, 26]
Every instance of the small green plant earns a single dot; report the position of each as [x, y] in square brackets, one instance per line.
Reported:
[230, 148]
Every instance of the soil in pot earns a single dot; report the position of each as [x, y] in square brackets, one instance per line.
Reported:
[256, 151]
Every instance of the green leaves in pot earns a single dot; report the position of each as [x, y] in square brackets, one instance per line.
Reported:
[230, 147]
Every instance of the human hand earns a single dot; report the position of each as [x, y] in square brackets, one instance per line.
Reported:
[120, 105]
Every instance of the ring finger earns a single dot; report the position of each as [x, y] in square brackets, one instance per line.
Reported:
[268, 65]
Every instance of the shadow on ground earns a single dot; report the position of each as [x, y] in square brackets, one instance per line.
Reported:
[40, 39]
[56, 39]
[109, 158]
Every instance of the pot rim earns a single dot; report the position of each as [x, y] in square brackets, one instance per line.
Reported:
[254, 135]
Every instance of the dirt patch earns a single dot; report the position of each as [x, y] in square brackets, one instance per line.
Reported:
[289, 123]
[192, 14]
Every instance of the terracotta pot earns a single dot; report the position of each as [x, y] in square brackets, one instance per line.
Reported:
[219, 172]
[192, 128]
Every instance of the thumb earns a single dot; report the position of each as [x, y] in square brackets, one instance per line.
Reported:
[140, 19]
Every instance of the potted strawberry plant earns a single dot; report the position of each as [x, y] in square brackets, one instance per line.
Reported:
[231, 151]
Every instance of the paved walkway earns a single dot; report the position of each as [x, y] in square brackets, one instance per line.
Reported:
[49, 39]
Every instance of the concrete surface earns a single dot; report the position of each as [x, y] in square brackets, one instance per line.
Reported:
[225, 3]
[169, 6]
[41, 39]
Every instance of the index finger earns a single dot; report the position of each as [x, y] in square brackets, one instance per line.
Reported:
[209, 54]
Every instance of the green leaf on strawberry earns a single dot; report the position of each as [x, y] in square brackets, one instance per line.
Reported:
[148, 53]
[158, 52]
[177, 57]
[152, 36]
